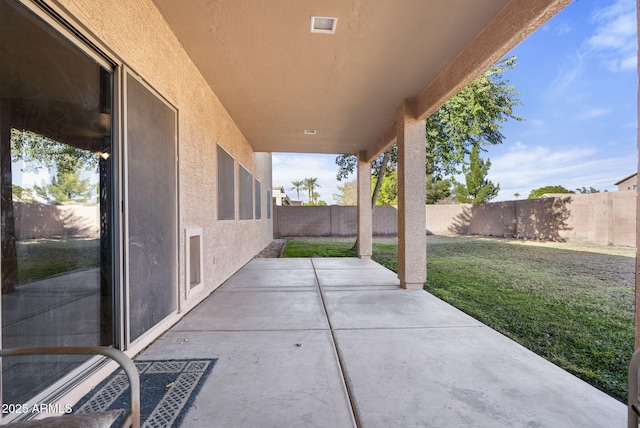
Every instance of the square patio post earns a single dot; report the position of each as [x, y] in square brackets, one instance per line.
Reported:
[365, 213]
[637, 285]
[412, 238]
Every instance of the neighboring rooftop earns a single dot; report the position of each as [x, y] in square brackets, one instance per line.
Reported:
[630, 182]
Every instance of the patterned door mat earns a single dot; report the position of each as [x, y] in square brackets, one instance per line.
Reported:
[167, 389]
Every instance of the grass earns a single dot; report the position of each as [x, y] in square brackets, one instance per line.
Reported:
[572, 305]
[319, 247]
[43, 258]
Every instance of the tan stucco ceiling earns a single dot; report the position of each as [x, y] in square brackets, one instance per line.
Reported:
[277, 79]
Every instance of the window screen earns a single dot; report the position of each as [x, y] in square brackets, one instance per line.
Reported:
[226, 205]
[257, 190]
[269, 202]
[152, 207]
[245, 193]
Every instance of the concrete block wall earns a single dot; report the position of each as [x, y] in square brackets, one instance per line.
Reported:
[599, 218]
[301, 221]
[37, 221]
[331, 220]
[385, 221]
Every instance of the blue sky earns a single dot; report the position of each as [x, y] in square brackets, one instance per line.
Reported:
[577, 78]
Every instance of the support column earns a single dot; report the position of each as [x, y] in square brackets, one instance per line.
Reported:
[365, 212]
[637, 287]
[412, 236]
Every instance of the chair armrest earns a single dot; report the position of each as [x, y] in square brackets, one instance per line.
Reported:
[132, 420]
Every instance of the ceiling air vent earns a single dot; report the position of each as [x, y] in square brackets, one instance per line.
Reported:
[323, 24]
[309, 132]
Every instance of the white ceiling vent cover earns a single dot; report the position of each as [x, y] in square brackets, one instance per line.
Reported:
[309, 132]
[323, 24]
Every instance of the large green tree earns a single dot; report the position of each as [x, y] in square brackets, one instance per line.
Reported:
[67, 186]
[438, 189]
[471, 118]
[476, 189]
[38, 151]
[388, 192]
[536, 193]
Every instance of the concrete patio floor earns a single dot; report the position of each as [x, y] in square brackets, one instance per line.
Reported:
[328, 342]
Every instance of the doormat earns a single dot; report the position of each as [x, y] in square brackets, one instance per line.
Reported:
[167, 389]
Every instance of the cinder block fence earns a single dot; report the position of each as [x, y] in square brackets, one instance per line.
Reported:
[601, 218]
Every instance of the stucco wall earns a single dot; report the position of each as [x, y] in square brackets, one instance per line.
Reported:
[134, 33]
[600, 218]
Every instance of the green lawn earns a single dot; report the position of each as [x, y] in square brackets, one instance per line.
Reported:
[42, 258]
[572, 305]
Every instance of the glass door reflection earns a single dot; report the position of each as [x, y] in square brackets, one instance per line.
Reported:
[55, 139]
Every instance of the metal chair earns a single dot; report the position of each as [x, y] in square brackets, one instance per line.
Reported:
[132, 419]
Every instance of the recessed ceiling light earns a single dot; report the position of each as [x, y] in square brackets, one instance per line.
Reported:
[309, 132]
[323, 24]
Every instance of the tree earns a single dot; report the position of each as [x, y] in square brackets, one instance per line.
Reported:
[584, 190]
[437, 189]
[517, 195]
[311, 184]
[348, 193]
[36, 151]
[536, 193]
[471, 118]
[67, 186]
[477, 189]
[388, 191]
[23, 194]
[297, 186]
[316, 203]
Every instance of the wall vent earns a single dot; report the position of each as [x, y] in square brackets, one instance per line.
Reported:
[193, 257]
[323, 24]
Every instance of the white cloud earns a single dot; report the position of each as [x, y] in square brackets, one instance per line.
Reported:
[524, 168]
[559, 28]
[571, 69]
[615, 40]
[592, 113]
[630, 63]
[538, 123]
[562, 28]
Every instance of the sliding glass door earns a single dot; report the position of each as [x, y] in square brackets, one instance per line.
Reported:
[57, 199]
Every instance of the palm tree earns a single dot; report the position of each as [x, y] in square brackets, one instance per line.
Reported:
[297, 185]
[311, 184]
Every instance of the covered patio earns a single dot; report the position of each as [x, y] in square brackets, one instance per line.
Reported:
[352, 77]
[333, 342]
[304, 342]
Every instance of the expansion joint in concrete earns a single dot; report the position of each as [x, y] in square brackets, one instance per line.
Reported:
[343, 376]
